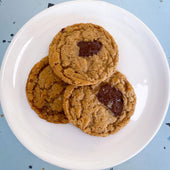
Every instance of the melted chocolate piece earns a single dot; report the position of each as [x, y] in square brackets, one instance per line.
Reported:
[88, 48]
[111, 98]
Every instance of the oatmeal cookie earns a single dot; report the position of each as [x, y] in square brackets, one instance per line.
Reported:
[44, 92]
[100, 109]
[83, 54]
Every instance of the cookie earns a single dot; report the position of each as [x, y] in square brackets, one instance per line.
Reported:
[101, 109]
[44, 92]
[83, 54]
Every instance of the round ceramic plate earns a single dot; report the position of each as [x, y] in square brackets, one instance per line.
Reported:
[142, 60]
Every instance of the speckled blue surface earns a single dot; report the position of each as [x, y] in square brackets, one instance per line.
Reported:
[15, 13]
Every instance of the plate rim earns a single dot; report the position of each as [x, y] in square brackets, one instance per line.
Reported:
[3, 66]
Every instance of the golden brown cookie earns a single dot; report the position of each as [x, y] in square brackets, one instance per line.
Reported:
[83, 54]
[100, 109]
[45, 92]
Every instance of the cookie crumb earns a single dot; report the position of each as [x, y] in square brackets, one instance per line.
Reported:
[161, 0]
[164, 147]
[9, 41]
[50, 5]
[168, 124]
[43, 168]
[2, 115]
[30, 166]
[14, 22]
[111, 168]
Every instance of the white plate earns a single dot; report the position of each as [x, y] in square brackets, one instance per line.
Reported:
[142, 60]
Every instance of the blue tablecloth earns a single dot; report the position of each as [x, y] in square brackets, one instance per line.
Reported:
[15, 13]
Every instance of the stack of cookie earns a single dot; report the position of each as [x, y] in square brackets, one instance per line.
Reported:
[78, 82]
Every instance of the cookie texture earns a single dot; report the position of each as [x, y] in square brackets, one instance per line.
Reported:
[83, 54]
[100, 109]
[44, 92]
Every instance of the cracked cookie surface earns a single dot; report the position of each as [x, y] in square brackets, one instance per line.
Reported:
[83, 54]
[44, 92]
[100, 109]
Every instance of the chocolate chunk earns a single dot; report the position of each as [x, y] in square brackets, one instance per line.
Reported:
[14, 22]
[88, 48]
[50, 5]
[11, 35]
[62, 30]
[111, 98]
[164, 147]
[3, 41]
